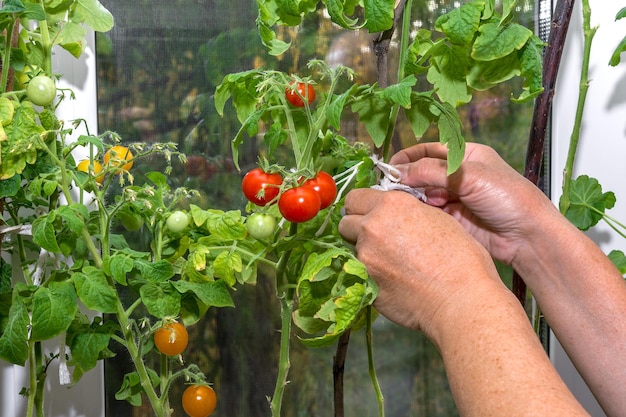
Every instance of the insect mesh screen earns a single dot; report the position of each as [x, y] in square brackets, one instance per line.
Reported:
[157, 71]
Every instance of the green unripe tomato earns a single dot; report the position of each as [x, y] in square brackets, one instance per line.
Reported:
[261, 225]
[177, 221]
[41, 90]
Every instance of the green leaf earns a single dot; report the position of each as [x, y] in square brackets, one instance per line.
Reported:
[94, 290]
[14, 339]
[336, 106]
[419, 114]
[619, 260]
[447, 74]
[119, 266]
[496, 41]
[375, 114]
[6, 111]
[226, 265]
[460, 25]
[88, 344]
[587, 202]
[211, 293]
[400, 93]
[450, 134]
[484, 75]
[616, 57]
[93, 14]
[531, 60]
[318, 261]
[226, 225]
[155, 272]
[54, 308]
[131, 389]
[10, 186]
[336, 11]
[161, 300]
[378, 15]
[44, 233]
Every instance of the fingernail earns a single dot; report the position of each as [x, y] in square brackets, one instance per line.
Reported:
[403, 170]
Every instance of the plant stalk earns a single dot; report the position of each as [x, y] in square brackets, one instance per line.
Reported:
[588, 34]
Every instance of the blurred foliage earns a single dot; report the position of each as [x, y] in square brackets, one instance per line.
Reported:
[157, 71]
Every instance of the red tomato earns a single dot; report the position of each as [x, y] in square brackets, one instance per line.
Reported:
[199, 400]
[299, 204]
[325, 186]
[294, 96]
[261, 187]
[171, 339]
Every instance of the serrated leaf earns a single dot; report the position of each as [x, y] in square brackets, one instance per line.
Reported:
[400, 93]
[318, 261]
[419, 114]
[450, 134]
[119, 266]
[44, 233]
[14, 339]
[496, 41]
[94, 290]
[460, 25]
[447, 74]
[53, 310]
[587, 202]
[161, 300]
[378, 15]
[375, 115]
[337, 14]
[155, 272]
[88, 344]
[213, 293]
[93, 14]
[226, 265]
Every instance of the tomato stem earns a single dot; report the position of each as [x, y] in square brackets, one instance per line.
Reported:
[588, 34]
[286, 307]
[370, 361]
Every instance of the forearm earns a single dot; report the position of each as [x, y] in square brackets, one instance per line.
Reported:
[496, 365]
[583, 298]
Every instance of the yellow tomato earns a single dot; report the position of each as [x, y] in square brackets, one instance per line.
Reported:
[118, 156]
[97, 169]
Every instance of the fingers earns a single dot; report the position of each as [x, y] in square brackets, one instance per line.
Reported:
[417, 152]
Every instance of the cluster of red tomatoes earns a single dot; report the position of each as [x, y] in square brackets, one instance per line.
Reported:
[298, 204]
[198, 400]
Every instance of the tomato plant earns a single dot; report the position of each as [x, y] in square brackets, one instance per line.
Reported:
[119, 156]
[41, 90]
[299, 204]
[325, 186]
[177, 221]
[261, 187]
[261, 225]
[302, 91]
[171, 339]
[199, 400]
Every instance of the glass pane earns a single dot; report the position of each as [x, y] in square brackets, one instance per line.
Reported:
[157, 71]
